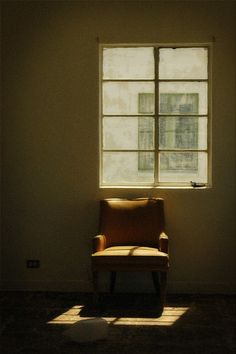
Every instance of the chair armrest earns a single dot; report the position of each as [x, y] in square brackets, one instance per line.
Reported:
[99, 243]
[164, 243]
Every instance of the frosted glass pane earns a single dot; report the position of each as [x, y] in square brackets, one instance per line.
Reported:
[127, 168]
[128, 63]
[124, 97]
[183, 167]
[183, 133]
[183, 63]
[128, 133]
[183, 98]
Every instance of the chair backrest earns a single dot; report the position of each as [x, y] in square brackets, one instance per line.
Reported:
[133, 222]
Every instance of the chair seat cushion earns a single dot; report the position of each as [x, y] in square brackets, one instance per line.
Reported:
[118, 257]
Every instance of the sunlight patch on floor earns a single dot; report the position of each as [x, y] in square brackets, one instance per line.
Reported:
[169, 316]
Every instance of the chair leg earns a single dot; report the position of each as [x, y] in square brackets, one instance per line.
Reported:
[95, 287]
[112, 282]
[163, 287]
[156, 282]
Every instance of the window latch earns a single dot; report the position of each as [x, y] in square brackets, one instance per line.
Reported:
[197, 184]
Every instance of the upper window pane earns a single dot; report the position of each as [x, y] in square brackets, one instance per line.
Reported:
[183, 63]
[128, 98]
[124, 133]
[128, 63]
[183, 98]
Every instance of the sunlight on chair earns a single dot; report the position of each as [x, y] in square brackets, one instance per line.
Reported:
[169, 316]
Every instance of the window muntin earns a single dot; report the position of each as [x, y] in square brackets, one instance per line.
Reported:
[141, 147]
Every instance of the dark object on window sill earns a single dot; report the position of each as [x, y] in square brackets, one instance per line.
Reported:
[197, 184]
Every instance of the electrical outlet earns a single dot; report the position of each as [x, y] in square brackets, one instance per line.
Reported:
[33, 263]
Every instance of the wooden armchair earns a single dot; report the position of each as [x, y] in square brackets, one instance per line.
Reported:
[131, 238]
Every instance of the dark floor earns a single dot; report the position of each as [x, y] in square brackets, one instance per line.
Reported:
[33, 323]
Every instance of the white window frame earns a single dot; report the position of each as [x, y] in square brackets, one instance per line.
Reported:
[156, 80]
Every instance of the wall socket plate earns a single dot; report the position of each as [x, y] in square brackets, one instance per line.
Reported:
[32, 263]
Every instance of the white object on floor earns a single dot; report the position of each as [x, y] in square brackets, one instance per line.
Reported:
[87, 330]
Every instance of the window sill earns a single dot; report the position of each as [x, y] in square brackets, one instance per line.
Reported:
[157, 187]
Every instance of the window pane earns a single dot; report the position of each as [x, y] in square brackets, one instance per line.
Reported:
[145, 133]
[124, 97]
[183, 133]
[183, 98]
[128, 133]
[146, 161]
[128, 63]
[146, 103]
[183, 167]
[183, 63]
[126, 168]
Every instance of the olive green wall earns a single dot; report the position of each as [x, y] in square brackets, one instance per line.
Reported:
[50, 187]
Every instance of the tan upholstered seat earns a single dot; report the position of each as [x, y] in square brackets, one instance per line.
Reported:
[136, 256]
[131, 237]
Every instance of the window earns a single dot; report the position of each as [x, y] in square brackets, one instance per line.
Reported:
[154, 124]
